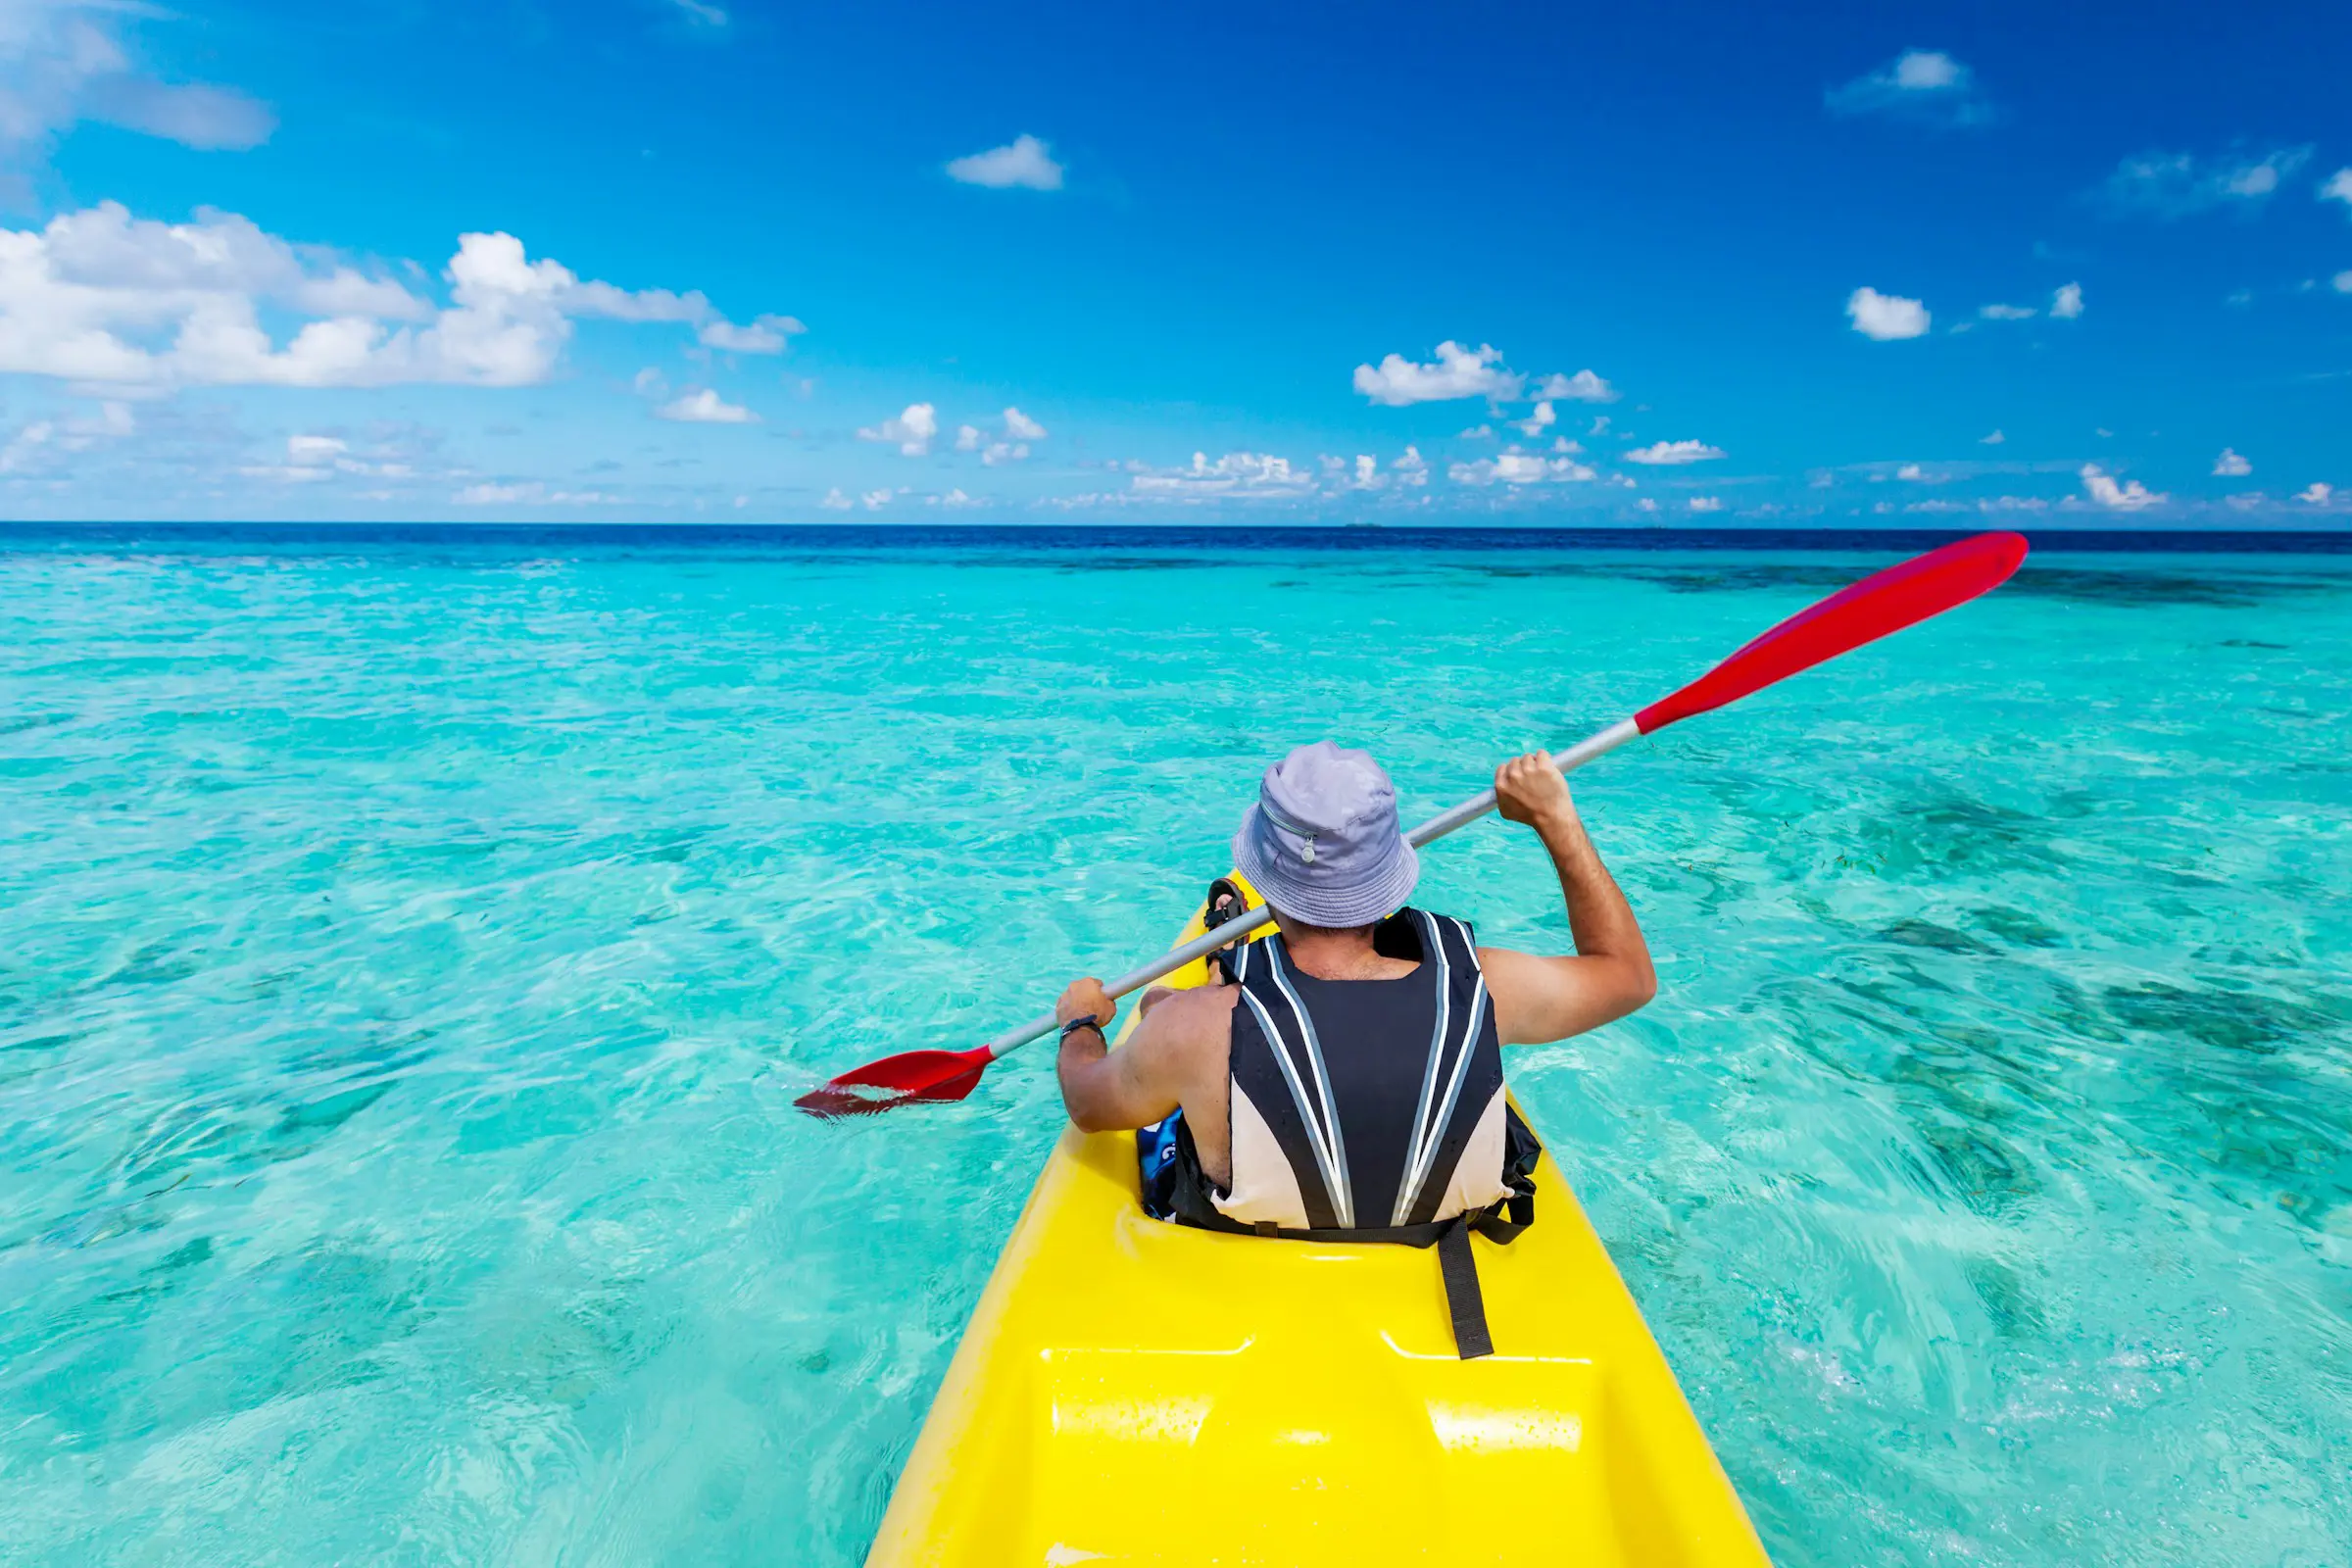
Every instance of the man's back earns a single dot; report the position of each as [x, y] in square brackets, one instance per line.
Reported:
[1332, 1034]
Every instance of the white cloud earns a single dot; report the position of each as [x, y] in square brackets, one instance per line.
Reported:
[1582, 387]
[767, 334]
[703, 13]
[1234, 473]
[65, 61]
[2103, 489]
[1674, 453]
[1026, 162]
[1706, 503]
[835, 501]
[313, 449]
[703, 406]
[1912, 472]
[2315, 493]
[1535, 422]
[1458, 373]
[2230, 465]
[1410, 469]
[1924, 85]
[2344, 282]
[26, 444]
[2066, 303]
[529, 493]
[1519, 468]
[954, 497]
[912, 430]
[1992, 440]
[2167, 185]
[2338, 187]
[100, 297]
[1886, 317]
[875, 499]
[2006, 312]
[1477, 432]
[1019, 431]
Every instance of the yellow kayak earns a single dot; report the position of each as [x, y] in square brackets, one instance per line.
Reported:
[1131, 1391]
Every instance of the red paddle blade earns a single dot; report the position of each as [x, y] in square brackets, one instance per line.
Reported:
[1881, 603]
[910, 1075]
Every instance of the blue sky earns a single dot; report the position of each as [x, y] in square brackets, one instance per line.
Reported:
[723, 259]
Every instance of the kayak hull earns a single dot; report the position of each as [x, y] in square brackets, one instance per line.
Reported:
[1135, 1392]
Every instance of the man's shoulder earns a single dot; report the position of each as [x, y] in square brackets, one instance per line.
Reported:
[1196, 1018]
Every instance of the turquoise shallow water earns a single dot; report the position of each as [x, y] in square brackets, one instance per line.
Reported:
[410, 949]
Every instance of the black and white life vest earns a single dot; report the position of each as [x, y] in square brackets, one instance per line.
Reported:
[1365, 1110]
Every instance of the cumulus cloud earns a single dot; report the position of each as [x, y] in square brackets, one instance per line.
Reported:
[2066, 303]
[1673, 452]
[2344, 282]
[1519, 468]
[2102, 489]
[2169, 185]
[1458, 373]
[1234, 473]
[1992, 440]
[1707, 502]
[1924, 85]
[703, 406]
[66, 61]
[1026, 162]
[2339, 188]
[2315, 493]
[1019, 431]
[1886, 317]
[1582, 387]
[766, 334]
[2230, 465]
[100, 297]
[912, 430]
[835, 501]
[1539, 420]
[2006, 312]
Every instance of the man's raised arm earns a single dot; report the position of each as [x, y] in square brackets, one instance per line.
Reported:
[1538, 999]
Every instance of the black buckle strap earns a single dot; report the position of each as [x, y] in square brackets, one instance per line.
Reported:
[1465, 1304]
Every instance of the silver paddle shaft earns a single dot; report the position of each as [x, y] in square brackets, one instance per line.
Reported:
[1241, 925]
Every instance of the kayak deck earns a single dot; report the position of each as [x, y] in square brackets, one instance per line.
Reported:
[1135, 1392]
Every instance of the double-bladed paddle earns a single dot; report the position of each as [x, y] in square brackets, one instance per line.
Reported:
[1881, 603]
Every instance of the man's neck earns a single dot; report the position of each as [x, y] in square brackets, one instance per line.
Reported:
[1339, 955]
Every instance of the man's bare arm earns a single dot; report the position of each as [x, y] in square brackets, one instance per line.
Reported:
[1142, 1080]
[1540, 998]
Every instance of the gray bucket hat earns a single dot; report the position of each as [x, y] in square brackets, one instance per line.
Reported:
[1323, 843]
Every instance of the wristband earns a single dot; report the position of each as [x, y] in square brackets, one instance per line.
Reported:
[1076, 1024]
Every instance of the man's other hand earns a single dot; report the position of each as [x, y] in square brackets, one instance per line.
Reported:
[1084, 999]
[1530, 789]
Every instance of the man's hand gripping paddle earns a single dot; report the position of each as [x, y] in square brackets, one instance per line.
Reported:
[1884, 601]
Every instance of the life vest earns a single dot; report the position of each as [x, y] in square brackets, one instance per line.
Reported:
[1363, 1110]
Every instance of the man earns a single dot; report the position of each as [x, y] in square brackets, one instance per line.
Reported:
[1348, 1075]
